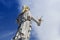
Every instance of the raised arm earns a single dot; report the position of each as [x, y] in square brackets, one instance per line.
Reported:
[37, 21]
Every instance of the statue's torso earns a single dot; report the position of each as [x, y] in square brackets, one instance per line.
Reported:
[24, 16]
[25, 25]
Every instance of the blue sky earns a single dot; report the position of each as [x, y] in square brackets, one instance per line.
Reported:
[8, 14]
[49, 9]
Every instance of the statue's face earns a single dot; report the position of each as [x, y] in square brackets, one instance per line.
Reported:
[25, 8]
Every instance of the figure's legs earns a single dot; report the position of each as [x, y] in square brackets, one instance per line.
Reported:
[23, 32]
[19, 36]
[28, 30]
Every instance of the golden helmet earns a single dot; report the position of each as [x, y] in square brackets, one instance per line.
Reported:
[25, 7]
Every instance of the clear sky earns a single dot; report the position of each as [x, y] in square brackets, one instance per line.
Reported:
[49, 9]
[8, 15]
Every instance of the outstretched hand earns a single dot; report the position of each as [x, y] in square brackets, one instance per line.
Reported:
[39, 21]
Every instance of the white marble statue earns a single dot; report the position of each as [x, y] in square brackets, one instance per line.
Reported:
[24, 23]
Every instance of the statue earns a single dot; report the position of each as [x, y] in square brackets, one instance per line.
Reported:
[24, 23]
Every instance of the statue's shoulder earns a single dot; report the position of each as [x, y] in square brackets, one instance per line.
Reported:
[21, 13]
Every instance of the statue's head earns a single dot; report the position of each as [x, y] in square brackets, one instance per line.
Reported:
[25, 8]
